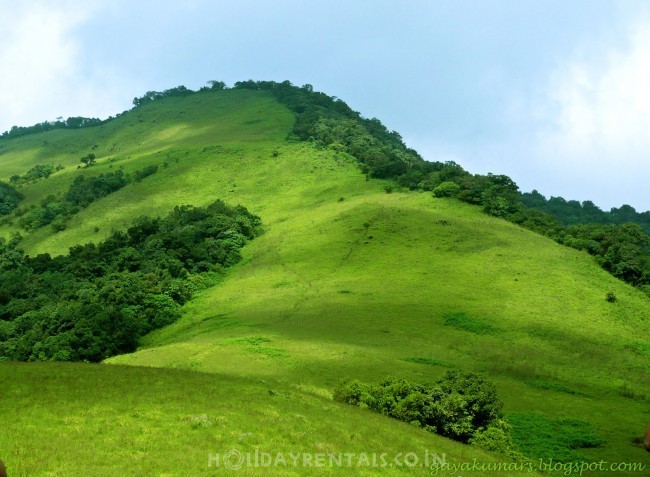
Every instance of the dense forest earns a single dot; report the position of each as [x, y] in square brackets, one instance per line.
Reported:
[98, 300]
[573, 212]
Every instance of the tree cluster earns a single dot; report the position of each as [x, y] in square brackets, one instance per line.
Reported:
[36, 173]
[82, 192]
[89, 160]
[9, 198]
[622, 250]
[98, 300]
[150, 96]
[459, 406]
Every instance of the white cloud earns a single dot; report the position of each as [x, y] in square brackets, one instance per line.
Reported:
[43, 75]
[597, 123]
[606, 108]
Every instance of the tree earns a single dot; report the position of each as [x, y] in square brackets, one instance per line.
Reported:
[9, 198]
[88, 160]
[217, 85]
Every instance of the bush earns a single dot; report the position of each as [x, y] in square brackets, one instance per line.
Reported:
[146, 172]
[497, 438]
[447, 189]
[9, 198]
[355, 393]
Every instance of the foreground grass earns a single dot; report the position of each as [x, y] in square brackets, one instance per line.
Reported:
[95, 420]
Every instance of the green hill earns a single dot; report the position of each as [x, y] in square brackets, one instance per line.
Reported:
[347, 281]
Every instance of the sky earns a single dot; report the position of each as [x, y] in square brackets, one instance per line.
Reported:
[553, 93]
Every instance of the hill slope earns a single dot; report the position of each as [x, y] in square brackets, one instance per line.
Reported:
[95, 420]
[349, 281]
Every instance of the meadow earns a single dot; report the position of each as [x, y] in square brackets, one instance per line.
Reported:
[63, 419]
[347, 282]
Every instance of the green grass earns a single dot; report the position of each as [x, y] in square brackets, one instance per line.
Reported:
[95, 420]
[559, 440]
[376, 284]
[462, 321]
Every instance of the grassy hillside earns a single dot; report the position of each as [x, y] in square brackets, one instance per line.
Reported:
[96, 420]
[347, 282]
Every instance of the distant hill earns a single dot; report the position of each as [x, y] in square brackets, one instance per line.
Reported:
[368, 265]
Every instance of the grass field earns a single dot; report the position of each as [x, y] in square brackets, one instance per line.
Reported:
[96, 420]
[347, 282]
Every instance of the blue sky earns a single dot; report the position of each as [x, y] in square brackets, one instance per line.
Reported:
[553, 93]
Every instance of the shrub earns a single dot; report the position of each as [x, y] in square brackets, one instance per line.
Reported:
[446, 189]
[355, 393]
[497, 438]
[9, 198]
[146, 172]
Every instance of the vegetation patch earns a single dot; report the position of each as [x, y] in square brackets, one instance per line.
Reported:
[36, 173]
[458, 406]
[540, 437]
[98, 300]
[247, 340]
[83, 191]
[9, 198]
[256, 344]
[427, 361]
[551, 386]
[632, 392]
[464, 322]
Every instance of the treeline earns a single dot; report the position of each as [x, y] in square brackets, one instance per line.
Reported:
[98, 300]
[76, 122]
[150, 96]
[83, 191]
[573, 212]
